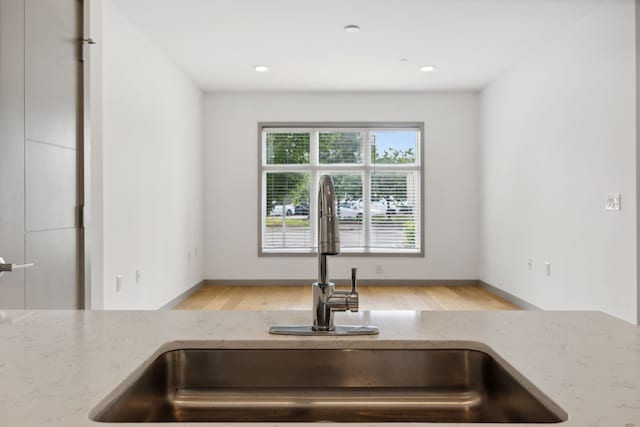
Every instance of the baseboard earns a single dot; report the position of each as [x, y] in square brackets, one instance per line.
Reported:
[183, 296]
[509, 297]
[341, 282]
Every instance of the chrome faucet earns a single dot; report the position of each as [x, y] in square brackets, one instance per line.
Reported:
[326, 300]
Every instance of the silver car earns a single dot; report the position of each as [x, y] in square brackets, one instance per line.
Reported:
[288, 210]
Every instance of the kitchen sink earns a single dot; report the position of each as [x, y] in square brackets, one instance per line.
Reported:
[453, 384]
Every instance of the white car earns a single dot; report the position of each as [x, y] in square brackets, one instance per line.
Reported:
[378, 208]
[354, 209]
[288, 210]
[349, 210]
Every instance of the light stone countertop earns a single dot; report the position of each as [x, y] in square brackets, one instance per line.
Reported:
[56, 366]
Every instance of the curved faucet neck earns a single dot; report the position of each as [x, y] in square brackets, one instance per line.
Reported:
[328, 227]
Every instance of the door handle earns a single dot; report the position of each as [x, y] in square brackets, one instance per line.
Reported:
[7, 267]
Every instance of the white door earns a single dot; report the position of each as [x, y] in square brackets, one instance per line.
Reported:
[40, 153]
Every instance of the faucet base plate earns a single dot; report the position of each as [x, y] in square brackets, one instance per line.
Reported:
[308, 330]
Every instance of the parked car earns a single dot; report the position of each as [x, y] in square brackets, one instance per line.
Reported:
[355, 210]
[288, 210]
[391, 206]
[387, 204]
[349, 210]
[379, 207]
[404, 209]
[302, 209]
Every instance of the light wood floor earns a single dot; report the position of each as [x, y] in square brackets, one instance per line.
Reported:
[371, 298]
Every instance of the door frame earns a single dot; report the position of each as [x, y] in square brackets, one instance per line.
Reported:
[84, 176]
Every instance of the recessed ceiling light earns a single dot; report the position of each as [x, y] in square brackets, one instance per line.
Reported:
[261, 68]
[404, 60]
[427, 68]
[352, 28]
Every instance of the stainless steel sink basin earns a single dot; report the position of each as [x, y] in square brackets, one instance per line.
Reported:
[341, 385]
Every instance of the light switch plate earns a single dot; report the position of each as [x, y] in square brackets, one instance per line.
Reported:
[613, 202]
[547, 269]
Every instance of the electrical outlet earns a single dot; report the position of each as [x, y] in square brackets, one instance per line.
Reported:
[378, 268]
[195, 252]
[138, 275]
[118, 283]
[547, 269]
[530, 264]
[189, 256]
[613, 202]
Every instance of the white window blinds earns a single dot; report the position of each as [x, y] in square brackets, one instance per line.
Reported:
[377, 178]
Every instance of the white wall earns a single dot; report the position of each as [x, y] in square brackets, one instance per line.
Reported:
[231, 181]
[558, 134]
[152, 170]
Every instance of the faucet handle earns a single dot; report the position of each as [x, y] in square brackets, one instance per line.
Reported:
[354, 280]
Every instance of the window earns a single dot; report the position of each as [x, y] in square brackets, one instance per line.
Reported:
[377, 175]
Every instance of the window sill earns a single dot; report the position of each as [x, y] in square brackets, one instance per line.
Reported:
[408, 253]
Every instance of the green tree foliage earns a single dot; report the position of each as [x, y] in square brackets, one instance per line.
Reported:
[287, 148]
[287, 188]
[347, 187]
[393, 156]
[340, 147]
[389, 185]
[410, 233]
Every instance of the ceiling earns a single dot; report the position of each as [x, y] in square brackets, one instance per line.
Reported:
[218, 42]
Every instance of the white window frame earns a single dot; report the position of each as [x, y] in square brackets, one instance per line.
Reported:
[366, 168]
